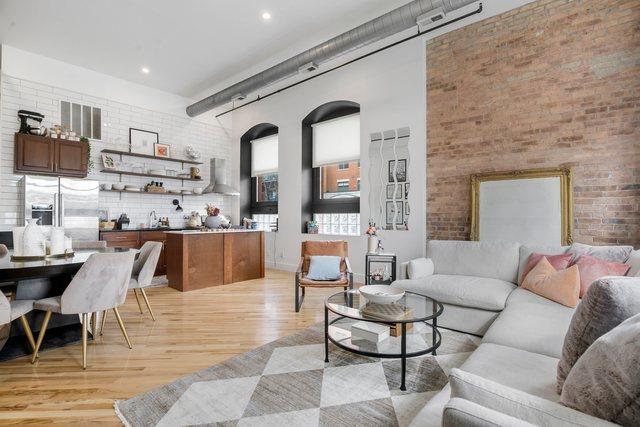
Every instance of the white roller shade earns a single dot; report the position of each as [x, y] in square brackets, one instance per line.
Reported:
[264, 155]
[336, 141]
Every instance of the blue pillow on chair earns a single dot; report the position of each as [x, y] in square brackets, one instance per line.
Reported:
[324, 267]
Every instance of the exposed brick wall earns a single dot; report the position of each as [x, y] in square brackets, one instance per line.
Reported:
[552, 83]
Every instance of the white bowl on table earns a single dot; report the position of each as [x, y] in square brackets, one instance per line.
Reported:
[381, 294]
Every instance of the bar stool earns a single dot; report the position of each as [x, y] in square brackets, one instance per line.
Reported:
[100, 285]
[16, 309]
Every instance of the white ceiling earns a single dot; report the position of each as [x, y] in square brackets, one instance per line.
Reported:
[189, 45]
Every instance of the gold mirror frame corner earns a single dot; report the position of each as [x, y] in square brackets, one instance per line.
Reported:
[566, 196]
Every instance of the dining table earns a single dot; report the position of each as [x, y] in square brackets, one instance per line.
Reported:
[37, 279]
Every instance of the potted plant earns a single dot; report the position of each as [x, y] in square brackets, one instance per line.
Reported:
[89, 159]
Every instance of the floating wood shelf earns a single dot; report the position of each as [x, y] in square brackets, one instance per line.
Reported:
[146, 175]
[147, 192]
[148, 156]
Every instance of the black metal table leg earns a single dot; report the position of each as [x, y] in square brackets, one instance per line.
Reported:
[434, 333]
[326, 335]
[403, 353]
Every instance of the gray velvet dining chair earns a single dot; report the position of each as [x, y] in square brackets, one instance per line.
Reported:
[100, 284]
[17, 309]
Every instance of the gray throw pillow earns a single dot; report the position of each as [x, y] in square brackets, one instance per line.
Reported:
[606, 253]
[605, 381]
[607, 303]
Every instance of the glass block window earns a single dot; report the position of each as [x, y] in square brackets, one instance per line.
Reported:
[266, 222]
[81, 119]
[338, 224]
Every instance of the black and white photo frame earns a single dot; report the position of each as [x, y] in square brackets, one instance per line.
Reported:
[390, 212]
[401, 171]
[391, 194]
[406, 190]
[142, 141]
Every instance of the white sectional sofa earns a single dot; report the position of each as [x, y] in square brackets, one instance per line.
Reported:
[523, 334]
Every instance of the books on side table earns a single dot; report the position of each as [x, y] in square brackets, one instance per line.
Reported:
[386, 313]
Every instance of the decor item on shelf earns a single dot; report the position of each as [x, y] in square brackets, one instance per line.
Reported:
[171, 172]
[160, 172]
[187, 192]
[400, 170]
[33, 241]
[213, 219]
[192, 153]
[381, 294]
[106, 186]
[155, 187]
[108, 162]
[142, 141]
[161, 150]
[312, 227]
[194, 172]
[194, 220]
[118, 186]
[372, 240]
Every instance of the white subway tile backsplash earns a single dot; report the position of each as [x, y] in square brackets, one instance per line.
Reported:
[210, 140]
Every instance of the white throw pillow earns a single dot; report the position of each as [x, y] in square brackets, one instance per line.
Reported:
[419, 268]
[634, 262]
[517, 403]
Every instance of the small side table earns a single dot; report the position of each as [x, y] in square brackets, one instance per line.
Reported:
[379, 258]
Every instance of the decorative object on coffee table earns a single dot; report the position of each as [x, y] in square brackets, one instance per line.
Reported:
[388, 260]
[381, 294]
[412, 308]
[142, 141]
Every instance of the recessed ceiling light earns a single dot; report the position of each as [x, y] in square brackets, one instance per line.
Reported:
[145, 70]
[266, 16]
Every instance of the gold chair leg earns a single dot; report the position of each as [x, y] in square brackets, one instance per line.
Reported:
[124, 331]
[135, 292]
[85, 324]
[43, 329]
[104, 320]
[27, 332]
[146, 300]
[94, 324]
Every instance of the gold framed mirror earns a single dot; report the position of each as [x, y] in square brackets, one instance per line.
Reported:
[531, 206]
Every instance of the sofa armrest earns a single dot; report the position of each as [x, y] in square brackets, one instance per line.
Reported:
[517, 403]
[461, 412]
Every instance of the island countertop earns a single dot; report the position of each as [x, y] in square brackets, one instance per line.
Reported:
[199, 259]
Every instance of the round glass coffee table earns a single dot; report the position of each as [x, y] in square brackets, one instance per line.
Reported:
[413, 322]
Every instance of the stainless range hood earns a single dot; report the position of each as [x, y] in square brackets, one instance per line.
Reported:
[218, 184]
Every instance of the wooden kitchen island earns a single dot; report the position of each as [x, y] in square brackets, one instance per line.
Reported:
[200, 259]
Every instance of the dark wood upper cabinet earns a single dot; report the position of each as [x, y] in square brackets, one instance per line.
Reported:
[71, 157]
[46, 156]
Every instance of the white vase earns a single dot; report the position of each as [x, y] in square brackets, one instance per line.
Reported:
[372, 244]
[57, 241]
[18, 233]
[33, 242]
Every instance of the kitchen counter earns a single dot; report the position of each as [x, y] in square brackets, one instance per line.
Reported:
[199, 259]
[216, 230]
[145, 229]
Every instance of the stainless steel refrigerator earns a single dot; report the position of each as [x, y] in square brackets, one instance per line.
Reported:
[63, 202]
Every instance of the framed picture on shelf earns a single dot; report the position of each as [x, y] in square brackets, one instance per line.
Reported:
[161, 150]
[390, 191]
[108, 162]
[391, 210]
[142, 141]
[406, 190]
[401, 171]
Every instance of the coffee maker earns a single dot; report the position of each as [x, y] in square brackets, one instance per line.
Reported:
[26, 127]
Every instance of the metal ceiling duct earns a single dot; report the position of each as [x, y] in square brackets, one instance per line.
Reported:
[397, 20]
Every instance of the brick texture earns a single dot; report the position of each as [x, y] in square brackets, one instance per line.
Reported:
[553, 83]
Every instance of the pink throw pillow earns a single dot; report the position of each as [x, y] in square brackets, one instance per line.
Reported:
[560, 286]
[559, 262]
[592, 269]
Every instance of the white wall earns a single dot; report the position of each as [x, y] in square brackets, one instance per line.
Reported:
[34, 82]
[390, 90]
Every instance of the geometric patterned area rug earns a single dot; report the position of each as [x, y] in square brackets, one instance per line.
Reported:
[287, 383]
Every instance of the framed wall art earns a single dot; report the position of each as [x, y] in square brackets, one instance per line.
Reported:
[142, 141]
[401, 170]
[162, 150]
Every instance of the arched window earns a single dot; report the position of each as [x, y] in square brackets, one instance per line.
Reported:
[331, 168]
[259, 175]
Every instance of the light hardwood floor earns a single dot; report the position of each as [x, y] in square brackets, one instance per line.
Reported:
[193, 330]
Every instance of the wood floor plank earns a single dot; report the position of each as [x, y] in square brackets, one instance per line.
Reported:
[193, 330]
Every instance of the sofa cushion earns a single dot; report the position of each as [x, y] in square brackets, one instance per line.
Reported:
[466, 291]
[460, 412]
[634, 264]
[531, 322]
[606, 253]
[419, 268]
[561, 286]
[496, 260]
[526, 251]
[605, 381]
[516, 403]
[592, 269]
[523, 370]
[607, 303]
